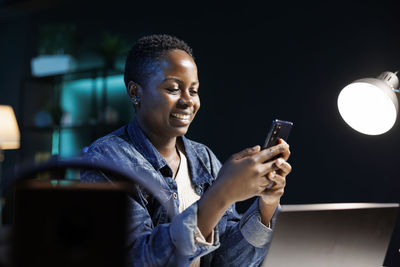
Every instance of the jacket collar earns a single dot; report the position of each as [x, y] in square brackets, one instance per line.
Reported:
[197, 158]
[144, 146]
[199, 172]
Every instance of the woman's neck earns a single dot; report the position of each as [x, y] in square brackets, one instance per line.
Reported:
[165, 145]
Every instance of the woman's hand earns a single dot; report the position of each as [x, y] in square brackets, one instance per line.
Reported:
[245, 174]
[271, 197]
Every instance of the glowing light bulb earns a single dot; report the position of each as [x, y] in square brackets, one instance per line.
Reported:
[369, 105]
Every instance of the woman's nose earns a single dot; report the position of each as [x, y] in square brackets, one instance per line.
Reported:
[186, 99]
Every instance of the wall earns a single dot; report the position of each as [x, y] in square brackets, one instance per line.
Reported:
[257, 63]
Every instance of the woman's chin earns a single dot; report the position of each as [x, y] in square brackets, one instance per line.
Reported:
[179, 130]
[182, 131]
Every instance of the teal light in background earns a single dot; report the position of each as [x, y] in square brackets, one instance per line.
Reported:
[77, 101]
[82, 102]
[118, 98]
[55, 142]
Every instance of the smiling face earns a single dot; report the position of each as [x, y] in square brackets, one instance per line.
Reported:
[169, 101]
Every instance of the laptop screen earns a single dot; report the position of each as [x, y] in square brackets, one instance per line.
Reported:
[332, 235]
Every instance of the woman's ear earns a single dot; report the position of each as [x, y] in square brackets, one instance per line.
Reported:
[133, 89]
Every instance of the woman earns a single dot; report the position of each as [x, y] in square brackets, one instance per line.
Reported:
[162, 82]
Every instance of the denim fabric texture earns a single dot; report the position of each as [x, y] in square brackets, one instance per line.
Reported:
[155, 240]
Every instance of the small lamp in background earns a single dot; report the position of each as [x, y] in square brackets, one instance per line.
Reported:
[370, 105]
[9, 132]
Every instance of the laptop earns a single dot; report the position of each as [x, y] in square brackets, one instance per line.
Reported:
[332, 235]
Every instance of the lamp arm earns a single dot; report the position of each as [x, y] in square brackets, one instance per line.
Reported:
[396, 90]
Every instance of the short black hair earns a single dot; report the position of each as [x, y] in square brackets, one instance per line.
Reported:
[144, 56]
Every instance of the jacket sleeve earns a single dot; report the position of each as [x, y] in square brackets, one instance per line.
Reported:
[244, 239]
[169, 244]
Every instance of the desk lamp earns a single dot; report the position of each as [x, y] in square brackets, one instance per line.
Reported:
[370, 105]
[9, 132]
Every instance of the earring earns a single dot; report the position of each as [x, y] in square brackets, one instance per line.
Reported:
[135, 100]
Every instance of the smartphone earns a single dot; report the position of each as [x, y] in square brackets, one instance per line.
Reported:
[279, 129]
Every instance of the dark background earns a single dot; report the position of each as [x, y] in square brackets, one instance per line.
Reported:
[257, 62]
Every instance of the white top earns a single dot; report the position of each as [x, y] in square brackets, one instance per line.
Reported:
[187, 196]
[186, 193]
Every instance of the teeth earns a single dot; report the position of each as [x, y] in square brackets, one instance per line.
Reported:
[181, 116]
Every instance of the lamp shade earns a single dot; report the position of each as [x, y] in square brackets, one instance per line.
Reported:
[9, 132]
[370, 105]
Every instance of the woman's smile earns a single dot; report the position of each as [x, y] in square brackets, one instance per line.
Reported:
[183, 118]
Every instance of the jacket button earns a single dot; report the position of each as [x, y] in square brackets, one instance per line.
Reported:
[199, 189]
[175, 195]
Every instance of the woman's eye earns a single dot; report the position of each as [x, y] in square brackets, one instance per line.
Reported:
[172, 90]
[193, 92]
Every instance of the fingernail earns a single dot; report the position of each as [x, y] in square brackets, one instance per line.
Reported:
[279, 162]
[254, 147]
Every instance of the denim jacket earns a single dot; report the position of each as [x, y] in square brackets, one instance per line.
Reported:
[154, 239]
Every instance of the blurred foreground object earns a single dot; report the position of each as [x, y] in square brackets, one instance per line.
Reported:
[67, 223]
